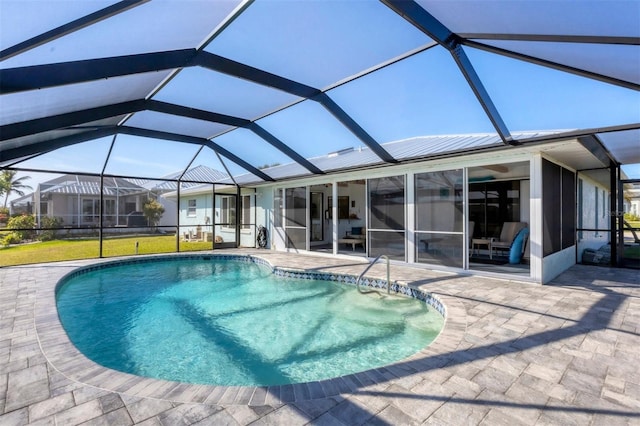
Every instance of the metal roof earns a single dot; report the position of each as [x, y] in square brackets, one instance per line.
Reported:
[412, 149]
[191, 177]
[89, 185]
[242, 85]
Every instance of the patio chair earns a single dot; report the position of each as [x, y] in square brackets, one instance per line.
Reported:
[198, 236]
[507, 235]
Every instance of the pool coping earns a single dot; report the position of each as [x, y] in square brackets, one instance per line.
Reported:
[64, 357]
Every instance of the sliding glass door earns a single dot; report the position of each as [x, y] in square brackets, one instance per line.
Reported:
[387, 217]
[439, 210]
[295, 220]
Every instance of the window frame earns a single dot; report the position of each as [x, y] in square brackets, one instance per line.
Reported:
[192, 210]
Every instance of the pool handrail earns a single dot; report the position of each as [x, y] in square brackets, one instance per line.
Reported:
[369, 267]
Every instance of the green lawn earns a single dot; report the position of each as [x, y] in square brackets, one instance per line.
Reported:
[634, 223]
[58, 250]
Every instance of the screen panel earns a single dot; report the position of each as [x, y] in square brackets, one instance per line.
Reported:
[262, 37]
[425, 94]
[530, 96]
[154, 26]
[527, 17]
[568, 208]
[551, 198]
[216, 92]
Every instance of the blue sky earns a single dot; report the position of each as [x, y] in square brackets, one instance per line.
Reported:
[424, 94]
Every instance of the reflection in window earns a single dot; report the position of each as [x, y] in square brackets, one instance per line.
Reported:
[439, 201]
[439, 218]
[228, 211]
[246, 212]
[277, 208]
[386, 217]
[386, 203]
[493, 203]
[296, 217]
[296, 207]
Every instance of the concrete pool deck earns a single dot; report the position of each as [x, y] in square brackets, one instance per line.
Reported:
[510, 353]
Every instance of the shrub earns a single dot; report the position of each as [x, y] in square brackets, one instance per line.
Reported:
[153, 211]
[11, 238]
[4, 214]
[49, 222]
[630, 217]
[23, 226]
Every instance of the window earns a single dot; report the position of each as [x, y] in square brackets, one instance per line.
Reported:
[90, 210]
[439, 211]
[246, 212]
[491, 204]
[228, 211]
[296, 217]
[191, 208]
[109, 212]
[386, 217]
[343, 207]
[277, 209]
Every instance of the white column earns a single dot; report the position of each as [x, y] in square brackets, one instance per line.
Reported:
[536, 224]
[334, 216]
[411, 217]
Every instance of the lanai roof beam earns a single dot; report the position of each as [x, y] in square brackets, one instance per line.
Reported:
[427, 23]
[70, 27]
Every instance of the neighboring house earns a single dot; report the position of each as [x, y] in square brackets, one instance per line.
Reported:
[202, 218]
[168, 184]
[76, 198]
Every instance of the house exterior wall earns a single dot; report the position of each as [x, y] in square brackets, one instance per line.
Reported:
[65, 207]
[190, 218]
[556, 263]
[594, 208]
[542, 268]
[170, 212]
[593, 213]
[358, 194]
[209, 217]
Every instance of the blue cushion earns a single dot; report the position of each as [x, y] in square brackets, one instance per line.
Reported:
[356, 230]
[515, 254]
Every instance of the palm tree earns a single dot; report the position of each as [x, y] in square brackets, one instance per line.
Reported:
[9, 184]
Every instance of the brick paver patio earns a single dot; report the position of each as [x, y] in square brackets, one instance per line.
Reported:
[511, 353]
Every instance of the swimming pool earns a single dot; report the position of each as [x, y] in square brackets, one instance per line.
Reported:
[225, 320]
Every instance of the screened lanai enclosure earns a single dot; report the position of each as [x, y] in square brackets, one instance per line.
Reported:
[424, 130]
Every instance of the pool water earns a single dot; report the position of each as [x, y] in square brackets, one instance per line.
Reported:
[226, 322]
